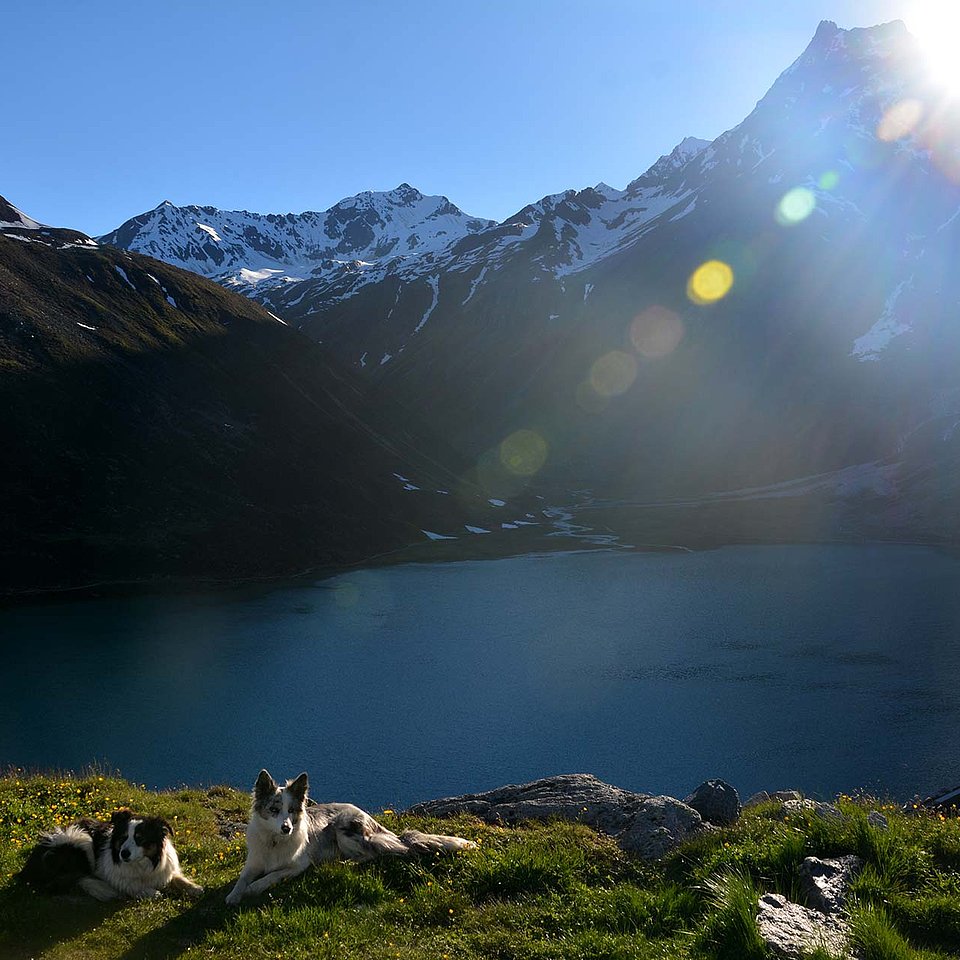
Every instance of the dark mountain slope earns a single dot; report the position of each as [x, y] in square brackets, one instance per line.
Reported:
[158, 426]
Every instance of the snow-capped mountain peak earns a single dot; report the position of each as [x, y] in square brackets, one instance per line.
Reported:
[251, 249]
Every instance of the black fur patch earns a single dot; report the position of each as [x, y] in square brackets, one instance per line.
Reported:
[120, 826]
[54, 869]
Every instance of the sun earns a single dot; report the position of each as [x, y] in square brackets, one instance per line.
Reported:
[936, 25]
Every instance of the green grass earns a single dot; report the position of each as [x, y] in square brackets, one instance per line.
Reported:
[538, 891]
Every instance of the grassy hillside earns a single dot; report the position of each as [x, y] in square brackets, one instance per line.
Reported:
[540, 891]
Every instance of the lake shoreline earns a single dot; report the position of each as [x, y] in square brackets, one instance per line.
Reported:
[425, 552]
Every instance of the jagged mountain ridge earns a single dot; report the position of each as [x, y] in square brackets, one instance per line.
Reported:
[833, 349]
[157, 427]
[253, 251]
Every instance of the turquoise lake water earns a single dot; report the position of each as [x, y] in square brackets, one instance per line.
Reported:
[824, 667]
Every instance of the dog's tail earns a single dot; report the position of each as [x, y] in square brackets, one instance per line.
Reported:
[59, 861]
[425, 843]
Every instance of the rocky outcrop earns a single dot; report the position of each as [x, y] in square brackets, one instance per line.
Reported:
[825, 882]
[793, 931]
[642, 824]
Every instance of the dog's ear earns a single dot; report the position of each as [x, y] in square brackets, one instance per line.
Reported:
[166, 828]
[265, 785]
[299, 786]
[120, 816]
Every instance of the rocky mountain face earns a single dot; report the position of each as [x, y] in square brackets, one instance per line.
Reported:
[157, 427]
[757, 334]
[255, 252]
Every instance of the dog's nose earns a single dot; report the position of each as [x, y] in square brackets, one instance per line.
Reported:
[124, 854]
[285, 828]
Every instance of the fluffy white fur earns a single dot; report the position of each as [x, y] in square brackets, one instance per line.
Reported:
[137, 877]
[285, 836]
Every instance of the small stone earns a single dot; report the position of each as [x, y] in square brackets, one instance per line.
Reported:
[716, 801]
[827, 811]
[876, 819]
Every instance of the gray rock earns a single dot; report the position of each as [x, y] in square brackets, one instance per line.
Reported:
[827, 811]
[658, 825]
[643, 824]
[790, 930]
[825, 882]
[762, 797]
[876, 819]
[716, 801]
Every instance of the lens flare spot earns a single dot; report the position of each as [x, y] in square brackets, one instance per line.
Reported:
[829, 181]
[656, 332]
[795, 206]
[524, 452]
[711, 281]
[900, 120]
[613, 373]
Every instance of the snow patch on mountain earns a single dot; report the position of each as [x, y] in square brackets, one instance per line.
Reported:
[435, 288]
[888, 327]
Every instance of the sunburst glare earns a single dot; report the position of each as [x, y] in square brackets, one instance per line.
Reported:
[936, 25]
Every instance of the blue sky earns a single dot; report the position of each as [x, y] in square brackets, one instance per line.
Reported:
[287, 106]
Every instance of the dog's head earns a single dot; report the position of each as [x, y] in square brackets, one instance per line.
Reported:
[134, 838]
[280, 808]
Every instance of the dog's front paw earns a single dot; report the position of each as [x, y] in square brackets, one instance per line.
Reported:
[234, 897]
[258, 887]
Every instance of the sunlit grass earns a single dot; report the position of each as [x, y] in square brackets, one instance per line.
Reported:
[539, 891]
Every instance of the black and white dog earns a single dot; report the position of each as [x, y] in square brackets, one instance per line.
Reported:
[131, 856]
[285, 836]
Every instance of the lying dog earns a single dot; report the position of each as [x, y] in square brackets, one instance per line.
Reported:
[285, 836]
[131, 856]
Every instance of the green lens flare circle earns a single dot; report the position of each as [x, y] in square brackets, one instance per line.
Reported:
[524, 453]
[795, 206]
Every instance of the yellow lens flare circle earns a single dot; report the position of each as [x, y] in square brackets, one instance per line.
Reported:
[795, 206]
[524, 453]
[613, 373]
[710, 282]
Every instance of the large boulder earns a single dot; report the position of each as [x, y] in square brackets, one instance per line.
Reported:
[716, 801]
[792, 931]
[646, 825]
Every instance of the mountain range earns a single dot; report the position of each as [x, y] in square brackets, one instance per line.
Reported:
[159, 428]
[755, 339]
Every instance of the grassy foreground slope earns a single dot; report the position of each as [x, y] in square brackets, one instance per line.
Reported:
[556, 890]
